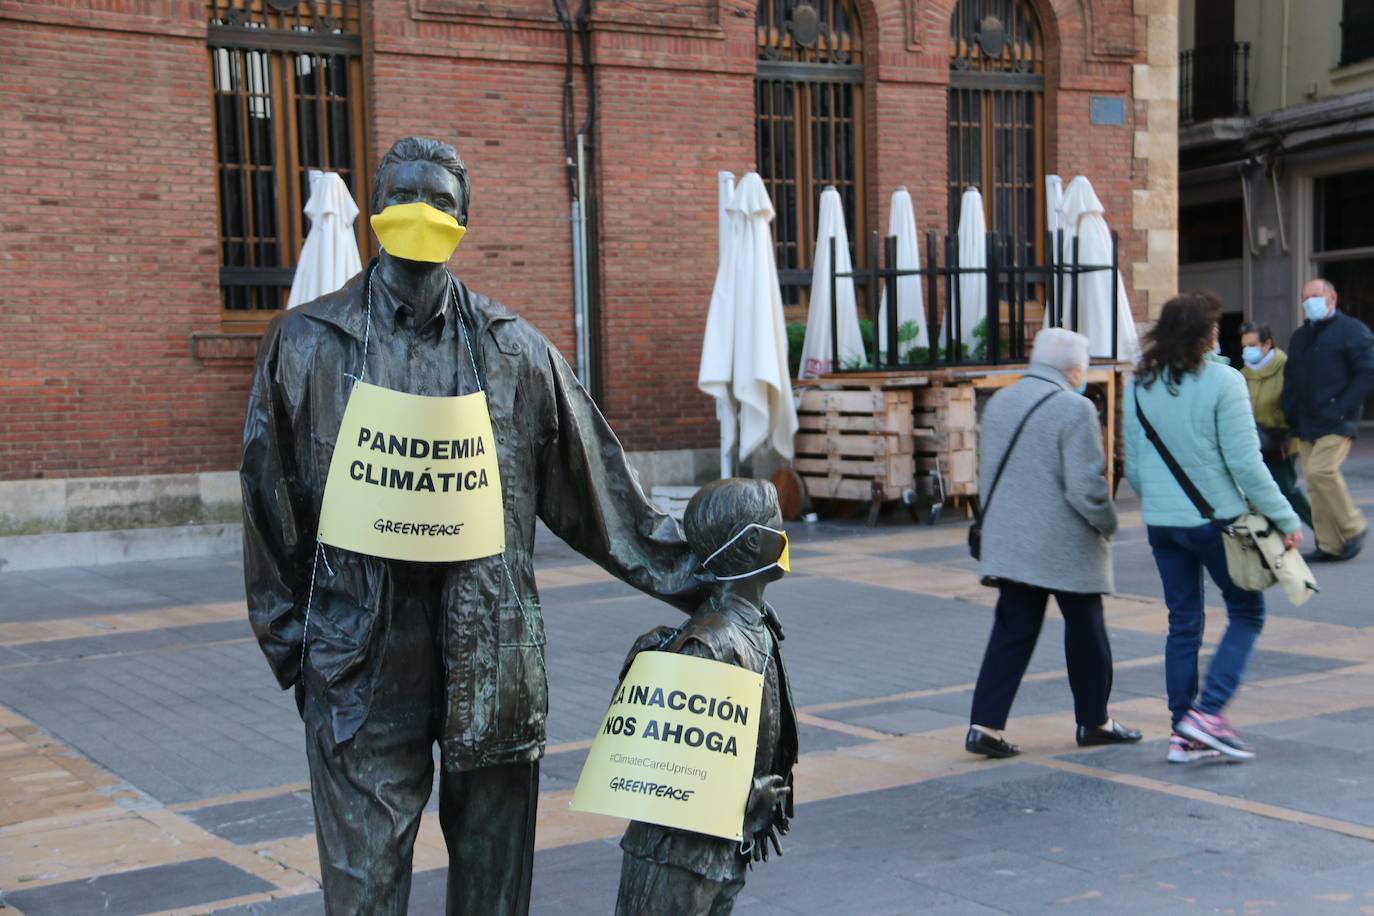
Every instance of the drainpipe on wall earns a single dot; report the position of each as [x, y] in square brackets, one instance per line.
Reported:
[580, 297]
[587, 191]
[577, 34]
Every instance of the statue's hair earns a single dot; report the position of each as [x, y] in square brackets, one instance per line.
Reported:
[719, 511]
[423, 149]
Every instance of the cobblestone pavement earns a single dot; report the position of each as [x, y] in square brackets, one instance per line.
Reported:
[148, 764]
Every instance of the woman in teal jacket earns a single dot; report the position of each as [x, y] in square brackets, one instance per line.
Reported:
[1200, 410]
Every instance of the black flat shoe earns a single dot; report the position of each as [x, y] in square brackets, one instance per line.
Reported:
[1320, 556]
[979, 742]
[1352, 547]
[1117, 734]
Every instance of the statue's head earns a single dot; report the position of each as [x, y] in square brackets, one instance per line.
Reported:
[418, 169]
[735, 527]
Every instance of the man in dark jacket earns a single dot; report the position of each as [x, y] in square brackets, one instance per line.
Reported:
[1329, 375]
[389, 656]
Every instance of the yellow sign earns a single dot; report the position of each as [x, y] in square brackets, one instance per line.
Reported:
[676, 747]
[414, 478]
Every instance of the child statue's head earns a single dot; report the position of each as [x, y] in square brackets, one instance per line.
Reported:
[735, 527]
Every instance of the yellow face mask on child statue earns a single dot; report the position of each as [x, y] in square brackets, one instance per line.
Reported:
[418, 232]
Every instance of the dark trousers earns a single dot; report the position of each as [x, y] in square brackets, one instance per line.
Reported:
[370, 791]
[1019, 616]
[1285, 474]
[1182, 554]
[657, 889]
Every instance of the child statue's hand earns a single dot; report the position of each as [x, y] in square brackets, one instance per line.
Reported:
[766, 799]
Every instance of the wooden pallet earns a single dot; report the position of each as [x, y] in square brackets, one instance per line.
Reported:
[855, 443]
[945, 436]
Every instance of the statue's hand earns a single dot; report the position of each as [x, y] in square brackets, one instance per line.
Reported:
[766, 799]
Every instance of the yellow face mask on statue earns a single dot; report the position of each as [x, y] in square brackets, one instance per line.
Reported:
[417, 232]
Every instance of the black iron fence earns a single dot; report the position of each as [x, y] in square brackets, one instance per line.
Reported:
[1012, 288]
[1214, 82]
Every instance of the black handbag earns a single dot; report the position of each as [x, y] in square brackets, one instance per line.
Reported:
[975, 531]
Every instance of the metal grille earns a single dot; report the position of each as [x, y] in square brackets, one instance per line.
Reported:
[996, 117]
[1214, 82]
[287, 86]
[809, 94]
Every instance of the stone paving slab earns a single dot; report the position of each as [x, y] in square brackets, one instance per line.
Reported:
[1322, 768]
[1264, 664]
[138, 641]
[180, 724]
[80, 591]
[259, 819]
[146, 890]
[905, 642]
[1014, 838]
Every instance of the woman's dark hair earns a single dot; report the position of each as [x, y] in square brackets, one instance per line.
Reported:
[1180, 340]
[1262, 331]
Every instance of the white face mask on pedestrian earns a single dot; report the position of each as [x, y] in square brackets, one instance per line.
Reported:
[1315, 308]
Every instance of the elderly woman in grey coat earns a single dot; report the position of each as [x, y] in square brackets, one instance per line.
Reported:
[1046, 526]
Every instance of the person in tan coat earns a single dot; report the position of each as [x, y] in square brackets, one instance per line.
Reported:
[1262, 365]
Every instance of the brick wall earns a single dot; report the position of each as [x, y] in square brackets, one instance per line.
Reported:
[108, 244]
[108, 234]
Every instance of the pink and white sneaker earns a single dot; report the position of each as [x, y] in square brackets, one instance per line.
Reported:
[1215, 732]
[1186, 750]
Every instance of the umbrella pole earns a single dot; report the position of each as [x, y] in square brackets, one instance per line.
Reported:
[993, 321]
[834, 314]
[1115, 329]
[1073, 291]
[932, 301]
[892, 283]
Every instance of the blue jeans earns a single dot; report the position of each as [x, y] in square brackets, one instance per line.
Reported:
[1181, 555]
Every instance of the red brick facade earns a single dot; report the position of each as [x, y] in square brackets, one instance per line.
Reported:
[109, 304]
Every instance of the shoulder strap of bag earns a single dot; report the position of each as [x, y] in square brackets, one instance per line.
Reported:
[1194, 494]
[981, 511]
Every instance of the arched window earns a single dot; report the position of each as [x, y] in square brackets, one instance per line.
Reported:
[810, 118]
[997, 116]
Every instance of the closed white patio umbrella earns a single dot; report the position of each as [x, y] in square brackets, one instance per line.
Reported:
[817, 354]
[329, 257]
[760, 380]
[973, 253]
[911, 309]
[1082, 216]
[718, 344]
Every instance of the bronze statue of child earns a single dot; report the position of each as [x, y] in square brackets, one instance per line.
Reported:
[736, 528]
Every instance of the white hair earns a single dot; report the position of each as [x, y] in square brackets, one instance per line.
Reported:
[1061, 349]
[1326, 287]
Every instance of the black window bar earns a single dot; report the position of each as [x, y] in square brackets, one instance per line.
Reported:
[1006, 280]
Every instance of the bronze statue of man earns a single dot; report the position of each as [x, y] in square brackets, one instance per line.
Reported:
[389, 656]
